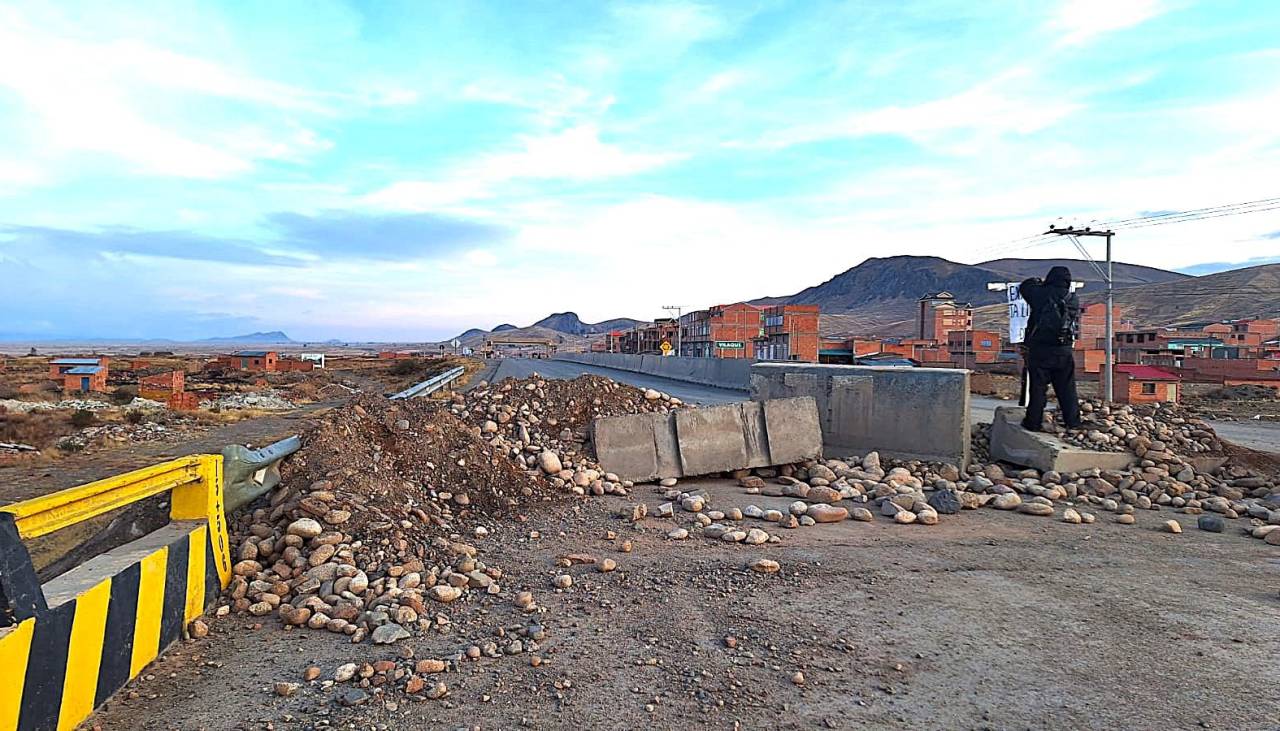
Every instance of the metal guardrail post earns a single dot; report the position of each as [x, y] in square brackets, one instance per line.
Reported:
[251, 473]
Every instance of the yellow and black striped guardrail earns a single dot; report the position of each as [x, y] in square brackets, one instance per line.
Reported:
[66, 646]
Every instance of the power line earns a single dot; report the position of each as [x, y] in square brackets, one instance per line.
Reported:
[1189, 212]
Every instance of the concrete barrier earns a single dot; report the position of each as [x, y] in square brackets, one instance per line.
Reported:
[733, 373]
[910, 413]
[1015, 445]
[66, 646]
[689, 442]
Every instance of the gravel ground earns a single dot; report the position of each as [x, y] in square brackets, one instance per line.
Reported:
[989, 620]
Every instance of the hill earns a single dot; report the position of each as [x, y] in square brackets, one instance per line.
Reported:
[503, 328]
[1126, 275]
[879, 296]
[275, 336]
[570, 323]
[1234, 294]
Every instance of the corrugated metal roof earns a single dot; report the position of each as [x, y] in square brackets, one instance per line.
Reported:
[251, 353]
[75, 361]
[83, 370]
[1147, 373]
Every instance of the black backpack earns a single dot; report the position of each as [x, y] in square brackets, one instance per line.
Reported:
[1056, 322]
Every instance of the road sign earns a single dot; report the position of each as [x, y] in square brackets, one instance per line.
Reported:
[729, 344]
[1019, 313]
[665, 348]
[456, 342]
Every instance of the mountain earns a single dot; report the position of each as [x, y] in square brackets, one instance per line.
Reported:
[275, 336]
[879, 296]
[1236, 294]
[503, 327]
[474, 332]
[571, 324]
[1126, 275]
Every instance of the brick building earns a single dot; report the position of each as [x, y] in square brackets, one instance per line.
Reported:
[651, 336]
[85, 378]
[941, 314]
[790, 333]
[846, 350]
[58, 367]
[159, 387]
[1144, 384]
[723, 331]
[917, 349]
[970, 347]
[248, 360]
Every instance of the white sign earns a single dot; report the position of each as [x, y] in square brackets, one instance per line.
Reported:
[455, 343]
[1019, 313]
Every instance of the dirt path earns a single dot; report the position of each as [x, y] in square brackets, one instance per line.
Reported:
[989, 620]
[22, 482]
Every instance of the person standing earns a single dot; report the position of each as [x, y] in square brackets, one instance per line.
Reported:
[1051, 331]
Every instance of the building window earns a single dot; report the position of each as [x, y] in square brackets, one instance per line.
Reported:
[1149, 389]
[986, 343]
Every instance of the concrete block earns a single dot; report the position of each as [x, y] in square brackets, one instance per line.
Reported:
[700, 441]
[909, 413]
[794, 434]
[711, 439]
[1011, 443]
[639, 447]
[755, 434]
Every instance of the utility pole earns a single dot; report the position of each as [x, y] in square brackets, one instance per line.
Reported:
[678, 309]
[1072, 232]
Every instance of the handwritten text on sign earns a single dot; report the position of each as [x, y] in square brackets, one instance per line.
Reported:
[1019, 313]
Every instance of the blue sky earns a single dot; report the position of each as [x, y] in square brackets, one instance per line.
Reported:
[403, 171]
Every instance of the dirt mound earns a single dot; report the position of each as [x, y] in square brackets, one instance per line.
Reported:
[364, 534]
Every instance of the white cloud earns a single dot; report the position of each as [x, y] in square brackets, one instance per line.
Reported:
[575, 154]
[1080, 21]
[115, 99]
[991, 109]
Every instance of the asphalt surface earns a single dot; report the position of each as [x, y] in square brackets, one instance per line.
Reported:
[1263, 436]
[558, 369]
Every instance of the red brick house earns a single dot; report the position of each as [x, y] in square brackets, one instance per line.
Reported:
[1144, 384]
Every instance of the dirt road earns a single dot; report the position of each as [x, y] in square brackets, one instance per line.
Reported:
[988, 620]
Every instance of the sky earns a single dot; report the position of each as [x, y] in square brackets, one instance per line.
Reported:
[404, 171]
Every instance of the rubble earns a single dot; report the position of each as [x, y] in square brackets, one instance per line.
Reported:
[265, 400]
[16, 406]
[362, 537]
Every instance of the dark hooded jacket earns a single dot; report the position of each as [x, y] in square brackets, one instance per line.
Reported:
[1040, 295]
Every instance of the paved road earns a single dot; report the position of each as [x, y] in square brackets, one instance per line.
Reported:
[688, 392]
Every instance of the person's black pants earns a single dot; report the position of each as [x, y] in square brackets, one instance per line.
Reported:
[1051, 364]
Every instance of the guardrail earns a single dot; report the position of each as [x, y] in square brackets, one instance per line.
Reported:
[251, 473]
[431, 385]
[67, 645]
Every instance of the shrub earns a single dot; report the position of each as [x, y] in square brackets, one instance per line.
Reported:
[135, 416]
[82, 418]
[406, 367]
[124, 394]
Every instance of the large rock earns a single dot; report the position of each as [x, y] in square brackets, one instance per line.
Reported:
[549, 462]
[945, 502]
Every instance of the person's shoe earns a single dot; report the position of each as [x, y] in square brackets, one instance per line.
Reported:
[1030, 427]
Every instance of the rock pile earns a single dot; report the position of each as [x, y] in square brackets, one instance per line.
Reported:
[1133, 427]
[265, 400]
[15, 406]
[365, 535]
